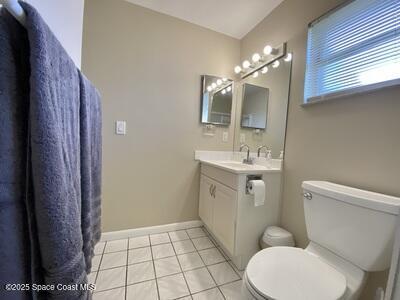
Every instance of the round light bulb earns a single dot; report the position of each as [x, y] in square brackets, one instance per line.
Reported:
[238, 69]
[224, 79]
[229, 88]
[219, 82]
[275, 64]
[256, 57]
[209, 88]
[223, 92]
[264, 70]
[255, 74]
[288, 57]
[267, 50]
[213, 85]
[246, 64]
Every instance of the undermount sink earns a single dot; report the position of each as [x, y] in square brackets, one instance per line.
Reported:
[238, 167]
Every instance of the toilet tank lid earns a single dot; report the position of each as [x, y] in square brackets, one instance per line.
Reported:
[367, 199]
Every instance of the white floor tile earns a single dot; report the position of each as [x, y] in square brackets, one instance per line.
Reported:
[195, 232]
[178, 235]
[139, 255]
[233, 291]
[115, 294]
[163, 250]
[140, 272]
[118, 245]
[96, 262]
[199, 280]
[167, 266]
[142, 291]
[112, 260]
[202, 243]
[159, 238]
[182, 247]
[92, 277]
[190, 261]
[172, 287]
[223, 273]
[99, 248]
[138, 242]
[213, 294]
[111, 278]
[211, 256]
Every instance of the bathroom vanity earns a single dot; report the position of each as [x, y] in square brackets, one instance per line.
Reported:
[228, 209]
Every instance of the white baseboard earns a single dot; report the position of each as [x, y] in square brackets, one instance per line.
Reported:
[123, 234]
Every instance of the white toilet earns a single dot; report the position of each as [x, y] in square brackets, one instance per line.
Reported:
[351, 232]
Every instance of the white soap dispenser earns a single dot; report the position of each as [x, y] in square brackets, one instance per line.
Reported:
[268, 157]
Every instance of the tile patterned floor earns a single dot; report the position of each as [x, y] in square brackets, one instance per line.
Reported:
[184, 264]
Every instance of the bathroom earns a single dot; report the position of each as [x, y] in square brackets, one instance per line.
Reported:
[154, 64]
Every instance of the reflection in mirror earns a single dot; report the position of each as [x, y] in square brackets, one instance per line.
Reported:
[254, 106]
[266, 123]
[216, 101]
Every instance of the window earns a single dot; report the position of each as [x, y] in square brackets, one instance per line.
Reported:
[352, 49]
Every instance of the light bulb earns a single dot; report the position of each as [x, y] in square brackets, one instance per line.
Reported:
[255, 74]
[213, 85]
[267, 50]
[288, 57]
[224, 79]
[275, 64]
[223, 92]
[256, 57]
[209, 88]
[246, 64]
[219, 82]
[238, 69]
[264, 70]
[229, 88]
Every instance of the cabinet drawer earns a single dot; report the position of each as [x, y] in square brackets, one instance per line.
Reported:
[221, 176]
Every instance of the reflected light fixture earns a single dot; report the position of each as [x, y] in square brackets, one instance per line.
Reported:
[264, 70]
[219, 82]
[246, 64]
[209, 88]
[288, 57]
[224, 79]
[275, 64]
[213, 85]
[223, 92]
[238, 69]
[256, 57]
[255, 74]
[229, 88]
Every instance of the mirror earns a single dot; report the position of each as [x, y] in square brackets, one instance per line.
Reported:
[216, 100]
[261, 108]
[255, 106]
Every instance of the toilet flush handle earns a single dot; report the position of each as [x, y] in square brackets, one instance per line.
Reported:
[307, 195]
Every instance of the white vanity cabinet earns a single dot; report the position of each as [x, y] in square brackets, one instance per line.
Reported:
[229, 213]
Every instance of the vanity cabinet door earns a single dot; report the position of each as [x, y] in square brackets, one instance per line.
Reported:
[224, 219]
[206, 201]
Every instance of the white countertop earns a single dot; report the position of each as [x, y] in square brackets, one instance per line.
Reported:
[259, 166]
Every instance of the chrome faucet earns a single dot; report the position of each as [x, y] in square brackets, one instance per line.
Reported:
[247, 160]
[260, 148]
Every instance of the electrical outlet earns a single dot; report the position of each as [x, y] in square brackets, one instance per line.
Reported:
[120, 127]
[225, 136]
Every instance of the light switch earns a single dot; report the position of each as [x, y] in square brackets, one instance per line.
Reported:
[242, 138]
[225, 136]
[120, 127]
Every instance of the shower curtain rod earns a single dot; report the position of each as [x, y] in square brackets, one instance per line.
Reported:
[15, 9]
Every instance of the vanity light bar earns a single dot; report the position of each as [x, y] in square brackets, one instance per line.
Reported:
[221, 85]
[260, 62]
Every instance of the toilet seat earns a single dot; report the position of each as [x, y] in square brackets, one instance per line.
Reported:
[287, 273]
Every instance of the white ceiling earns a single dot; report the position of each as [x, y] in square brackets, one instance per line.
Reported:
[231, 17]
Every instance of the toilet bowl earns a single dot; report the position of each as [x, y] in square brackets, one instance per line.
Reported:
[351, 233]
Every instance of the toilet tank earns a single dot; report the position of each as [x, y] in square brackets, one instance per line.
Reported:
[354, 224]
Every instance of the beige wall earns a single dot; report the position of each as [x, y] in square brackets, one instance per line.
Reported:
[353, 141]
[147, 67]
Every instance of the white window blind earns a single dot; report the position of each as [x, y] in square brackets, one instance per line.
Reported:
[353, 48]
